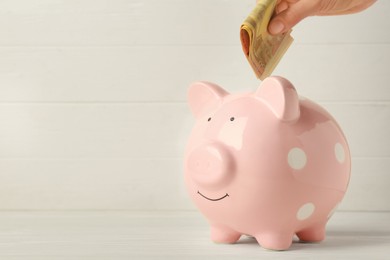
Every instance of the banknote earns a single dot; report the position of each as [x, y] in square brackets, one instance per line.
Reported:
[263, 50]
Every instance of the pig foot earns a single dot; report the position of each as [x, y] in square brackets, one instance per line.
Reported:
[224, 235]
[275, 241]
[312, 234]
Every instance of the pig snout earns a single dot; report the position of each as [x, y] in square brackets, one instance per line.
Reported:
[211, 166]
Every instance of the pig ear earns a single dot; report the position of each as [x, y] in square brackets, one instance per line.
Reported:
[204, 96]
[281, 97]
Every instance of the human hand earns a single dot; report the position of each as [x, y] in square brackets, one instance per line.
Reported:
[290, 12]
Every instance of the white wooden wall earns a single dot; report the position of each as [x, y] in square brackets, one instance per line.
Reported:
[92, 96]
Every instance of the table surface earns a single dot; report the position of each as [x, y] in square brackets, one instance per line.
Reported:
[174, 235]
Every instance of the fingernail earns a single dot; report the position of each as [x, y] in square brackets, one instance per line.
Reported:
[276, 27]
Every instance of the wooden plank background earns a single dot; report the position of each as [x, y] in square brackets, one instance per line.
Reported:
[92, 96]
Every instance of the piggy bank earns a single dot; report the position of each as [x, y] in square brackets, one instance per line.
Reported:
[267, 164]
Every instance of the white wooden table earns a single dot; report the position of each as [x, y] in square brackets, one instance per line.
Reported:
[173, 235]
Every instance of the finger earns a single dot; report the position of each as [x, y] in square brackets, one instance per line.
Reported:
[285, 20]
[281, 7]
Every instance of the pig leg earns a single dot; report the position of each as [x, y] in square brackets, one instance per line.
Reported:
[275, 241]
[222, 234]
[314, 233]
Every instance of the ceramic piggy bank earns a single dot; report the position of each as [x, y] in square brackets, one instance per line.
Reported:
[268, 164]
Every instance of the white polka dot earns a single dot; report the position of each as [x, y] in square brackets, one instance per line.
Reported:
[339, 152]
[305, 211]
[297, 158]
[333, 210]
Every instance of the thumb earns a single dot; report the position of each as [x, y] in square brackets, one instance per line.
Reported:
[296, 12]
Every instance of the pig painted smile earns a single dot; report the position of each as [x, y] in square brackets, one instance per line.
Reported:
[221, 198]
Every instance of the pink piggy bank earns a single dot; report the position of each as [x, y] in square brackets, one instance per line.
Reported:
[266, 164]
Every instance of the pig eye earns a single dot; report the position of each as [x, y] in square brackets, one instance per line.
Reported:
[232, 119]
[209, 119]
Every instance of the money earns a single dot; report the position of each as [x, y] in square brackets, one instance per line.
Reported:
[263, 50]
